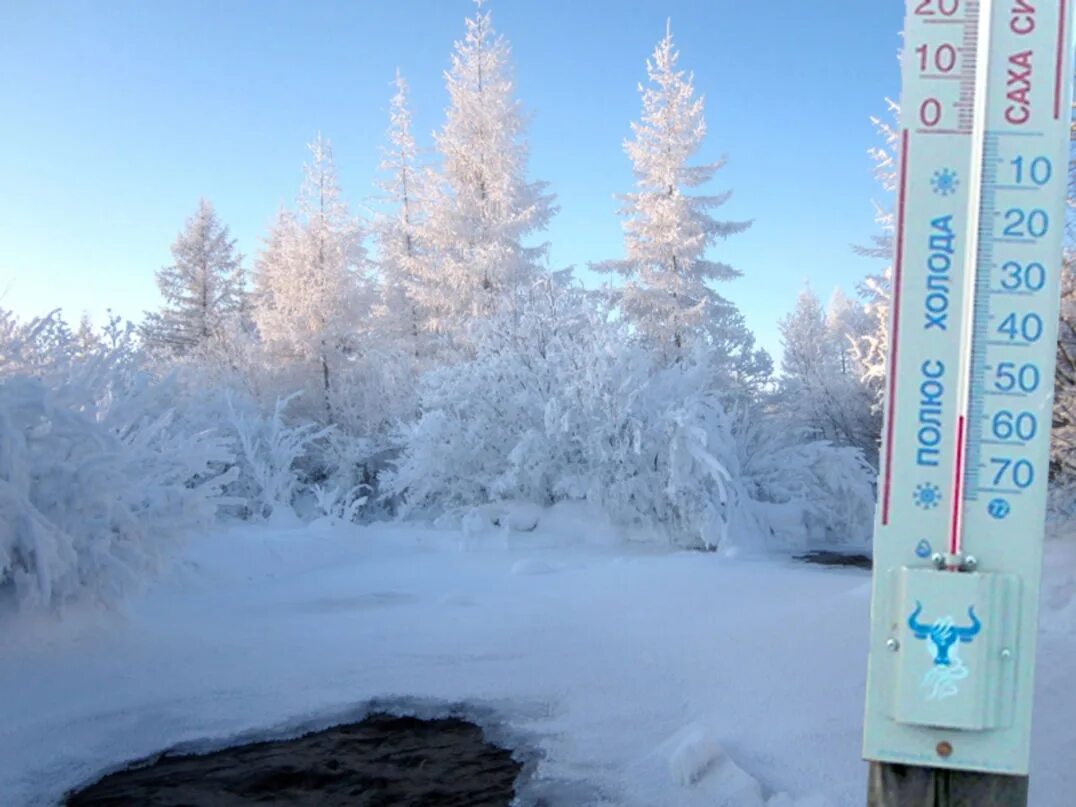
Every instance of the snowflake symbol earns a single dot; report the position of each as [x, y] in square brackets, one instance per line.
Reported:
[927, 496]
[945, 182]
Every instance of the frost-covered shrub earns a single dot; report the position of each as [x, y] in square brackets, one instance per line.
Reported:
[479, 416]
[804, 490]
[559, 402]
[96, 482]
[287, 440]
[658, 451]
[269, 449]
[373, 388]
[337, 503]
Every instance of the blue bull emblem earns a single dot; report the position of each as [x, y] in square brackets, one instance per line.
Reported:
[943, 633]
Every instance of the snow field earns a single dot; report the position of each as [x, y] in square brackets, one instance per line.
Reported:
[629, 675]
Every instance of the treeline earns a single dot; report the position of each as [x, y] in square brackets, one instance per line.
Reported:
[428, 361]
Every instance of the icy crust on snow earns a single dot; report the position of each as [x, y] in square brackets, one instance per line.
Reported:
[621, 676]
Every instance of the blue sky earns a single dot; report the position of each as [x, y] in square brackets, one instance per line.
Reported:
[115, 117]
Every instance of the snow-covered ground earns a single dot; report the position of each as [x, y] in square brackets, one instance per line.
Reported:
[626, 676]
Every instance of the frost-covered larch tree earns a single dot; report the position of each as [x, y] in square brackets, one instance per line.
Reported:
[309, 281]
[483, 208]
[86, 339]
[849, 322]
[820, 385]
[667, 294]
[399, 234]
[202, 290]
[810, 366]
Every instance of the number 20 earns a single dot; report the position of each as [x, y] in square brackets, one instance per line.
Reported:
[947, 8]
[1022, 223]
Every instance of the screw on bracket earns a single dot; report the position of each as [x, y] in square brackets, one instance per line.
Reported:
[959, 561]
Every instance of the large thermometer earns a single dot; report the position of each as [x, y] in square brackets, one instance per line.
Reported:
[965, 448]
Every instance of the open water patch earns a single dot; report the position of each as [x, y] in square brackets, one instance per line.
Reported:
[383, 759]
[856, 560]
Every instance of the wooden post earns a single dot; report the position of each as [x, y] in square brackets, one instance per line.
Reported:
[893, 785]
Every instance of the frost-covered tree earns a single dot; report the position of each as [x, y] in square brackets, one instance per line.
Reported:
[820, 385]
[310, 287]
[849, 322]
[400, 239]
[808, 346]
[484, 208]
[202, 290]
[87, 341]
[557, 403]
[667, 293]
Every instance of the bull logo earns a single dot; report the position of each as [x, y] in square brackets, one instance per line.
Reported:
[941, 680]
[943, 633]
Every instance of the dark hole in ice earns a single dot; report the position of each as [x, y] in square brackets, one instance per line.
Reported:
[828, 558]
[383, 760]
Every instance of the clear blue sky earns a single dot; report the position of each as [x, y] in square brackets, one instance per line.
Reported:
[116, 116]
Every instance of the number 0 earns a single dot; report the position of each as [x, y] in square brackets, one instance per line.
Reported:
[930, 112]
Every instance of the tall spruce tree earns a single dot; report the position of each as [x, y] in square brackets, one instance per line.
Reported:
[311, 291]
[400, 239]
[667, 293]
[202, 290]
[483, 207]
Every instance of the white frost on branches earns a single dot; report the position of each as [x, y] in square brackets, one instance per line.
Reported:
[558, 404]
[98, 480]
[483, 208]
[203, 290]
[667, 293]
[269, 449]
[403, 256]
[310, 284]
[821, 388]
[872, 348]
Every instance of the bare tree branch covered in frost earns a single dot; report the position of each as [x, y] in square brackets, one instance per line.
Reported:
[886, 159]
[872, 349]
